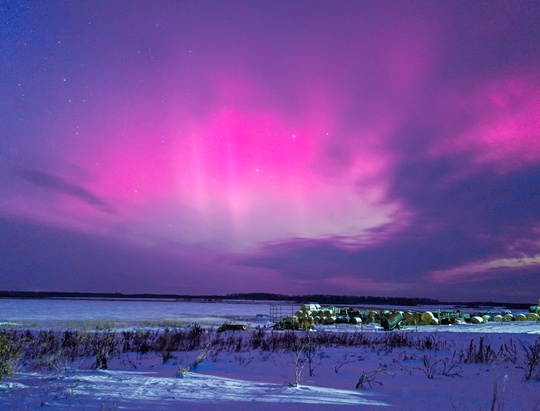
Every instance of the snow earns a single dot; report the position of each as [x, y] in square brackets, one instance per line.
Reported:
[52, 312]
[264, 380]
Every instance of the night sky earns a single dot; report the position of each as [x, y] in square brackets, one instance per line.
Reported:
[295, 147]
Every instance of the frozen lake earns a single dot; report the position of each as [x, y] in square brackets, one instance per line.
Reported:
[120, 314]
[32, 312]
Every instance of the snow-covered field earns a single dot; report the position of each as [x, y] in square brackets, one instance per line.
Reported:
[493, 366]
[63, 312]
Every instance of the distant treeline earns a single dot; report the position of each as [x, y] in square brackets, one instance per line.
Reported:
[322, 299]
[325, 299]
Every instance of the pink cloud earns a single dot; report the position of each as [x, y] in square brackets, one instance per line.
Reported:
[481, 270]
[242, 165]
[498, 123]
[242, 171]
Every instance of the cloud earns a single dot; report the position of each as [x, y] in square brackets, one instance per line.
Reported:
[458, 224]
[62, 186]
[43, 257]
[360, 147]
[495, 123]
[481, 269]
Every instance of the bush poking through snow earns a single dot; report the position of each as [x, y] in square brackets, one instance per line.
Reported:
[55, 349]
[447, 367]
[311, 351]
[496, 404]
[346, 360]
[103, 346]
[432, 366]
[451, 368]
[200, 358]
[531, 360]
[481, 353]
[370, 378]
[299, 360]
[9, 353]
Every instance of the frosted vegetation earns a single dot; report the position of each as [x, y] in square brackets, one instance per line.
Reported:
[194, 366]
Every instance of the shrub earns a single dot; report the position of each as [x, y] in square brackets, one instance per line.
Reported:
[432, 366]
[182, 372]
[481, 353]
[9, 353]
[370, 378]
[531, 360]
[103, 346]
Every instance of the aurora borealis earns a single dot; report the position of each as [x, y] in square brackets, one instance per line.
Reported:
[203, 147]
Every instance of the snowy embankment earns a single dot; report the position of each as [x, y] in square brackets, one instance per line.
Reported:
[490, 366]
[466, 367]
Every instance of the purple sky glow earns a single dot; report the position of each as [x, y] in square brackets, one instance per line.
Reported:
[212, 147]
